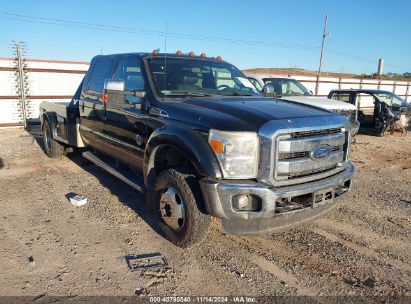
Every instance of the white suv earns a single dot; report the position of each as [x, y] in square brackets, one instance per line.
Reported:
[287, 88]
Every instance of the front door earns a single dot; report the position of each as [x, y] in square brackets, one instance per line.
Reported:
[91, 104]
[125, 122]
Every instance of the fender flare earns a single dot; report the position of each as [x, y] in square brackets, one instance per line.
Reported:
[192, 145]
[51, 117]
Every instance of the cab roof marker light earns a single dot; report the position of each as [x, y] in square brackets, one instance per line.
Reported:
[156, 52]
[219, 58]
[203, 55]
[179, 53]
[191, 54]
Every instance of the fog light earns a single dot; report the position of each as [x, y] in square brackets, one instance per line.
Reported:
[242, 201]
[245, 202]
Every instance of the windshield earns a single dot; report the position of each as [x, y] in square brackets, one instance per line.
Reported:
[176, 77]
[287, 87]
[392, 100]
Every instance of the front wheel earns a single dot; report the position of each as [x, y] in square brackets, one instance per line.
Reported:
[178, 206]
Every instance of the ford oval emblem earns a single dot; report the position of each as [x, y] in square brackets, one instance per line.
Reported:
[321, 152]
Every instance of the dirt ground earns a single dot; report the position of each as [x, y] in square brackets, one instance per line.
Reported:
[50, 247]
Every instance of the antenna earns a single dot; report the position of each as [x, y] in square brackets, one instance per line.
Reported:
[165, 58]
[321, 54]
[165, 38]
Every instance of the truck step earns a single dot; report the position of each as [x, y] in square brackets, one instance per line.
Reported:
[132, 182]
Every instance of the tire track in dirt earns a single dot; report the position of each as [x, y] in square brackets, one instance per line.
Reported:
[358, 236]
[267, 247]
[255, 254]
[362, 250]
[282, 275]
[335, 226]
[379, 222]
[12, 173]
[378, 211]
[324, 272]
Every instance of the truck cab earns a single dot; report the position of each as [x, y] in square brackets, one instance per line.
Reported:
[194, 135]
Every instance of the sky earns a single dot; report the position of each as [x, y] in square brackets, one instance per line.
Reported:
[248, 34]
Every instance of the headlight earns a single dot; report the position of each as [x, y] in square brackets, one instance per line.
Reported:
[237, 153]
[349, 114]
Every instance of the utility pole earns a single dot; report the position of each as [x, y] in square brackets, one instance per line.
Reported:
[21, 78]
[321, 54]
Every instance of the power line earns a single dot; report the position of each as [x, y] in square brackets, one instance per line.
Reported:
[134, 30]
[350, 55]
[78, 26]
[94, 25]
[188, 36]
[344, 54]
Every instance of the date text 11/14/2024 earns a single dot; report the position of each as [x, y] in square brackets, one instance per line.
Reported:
[203, 299]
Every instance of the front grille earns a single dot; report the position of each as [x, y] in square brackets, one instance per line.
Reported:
[315, 132]
[295, 153]
[292, 155]
[310, 172]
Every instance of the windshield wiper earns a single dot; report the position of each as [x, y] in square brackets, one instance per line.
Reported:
[235, 94]
[192, 94]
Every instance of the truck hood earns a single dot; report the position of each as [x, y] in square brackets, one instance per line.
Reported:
[321, 102]
[238, 113]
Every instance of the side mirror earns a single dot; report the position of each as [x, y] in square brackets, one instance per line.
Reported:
[114, 86]
[115, 93]
[139, 94]
[268, 90]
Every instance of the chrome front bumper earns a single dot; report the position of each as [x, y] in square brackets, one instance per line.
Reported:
[218, 196]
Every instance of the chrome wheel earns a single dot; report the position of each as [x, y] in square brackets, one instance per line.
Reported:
[172, 209]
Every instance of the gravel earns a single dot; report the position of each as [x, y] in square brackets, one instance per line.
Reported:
[50, 247]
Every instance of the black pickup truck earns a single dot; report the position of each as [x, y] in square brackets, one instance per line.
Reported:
[195, 136]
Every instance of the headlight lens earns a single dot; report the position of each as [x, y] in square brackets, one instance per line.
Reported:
[237, 153]
[349, 114]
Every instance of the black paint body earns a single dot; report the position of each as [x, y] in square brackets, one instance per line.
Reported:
[131, 133]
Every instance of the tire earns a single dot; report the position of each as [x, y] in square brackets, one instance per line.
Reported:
[52, 147]
[188, 206]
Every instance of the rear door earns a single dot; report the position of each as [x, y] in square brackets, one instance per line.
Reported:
[368, 109]
[91, 102]
[125, 120]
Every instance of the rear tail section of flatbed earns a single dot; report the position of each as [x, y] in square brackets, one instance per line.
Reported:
[64, 119]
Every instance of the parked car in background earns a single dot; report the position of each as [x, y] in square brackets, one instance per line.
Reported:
[377, 109]
[287, 88]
